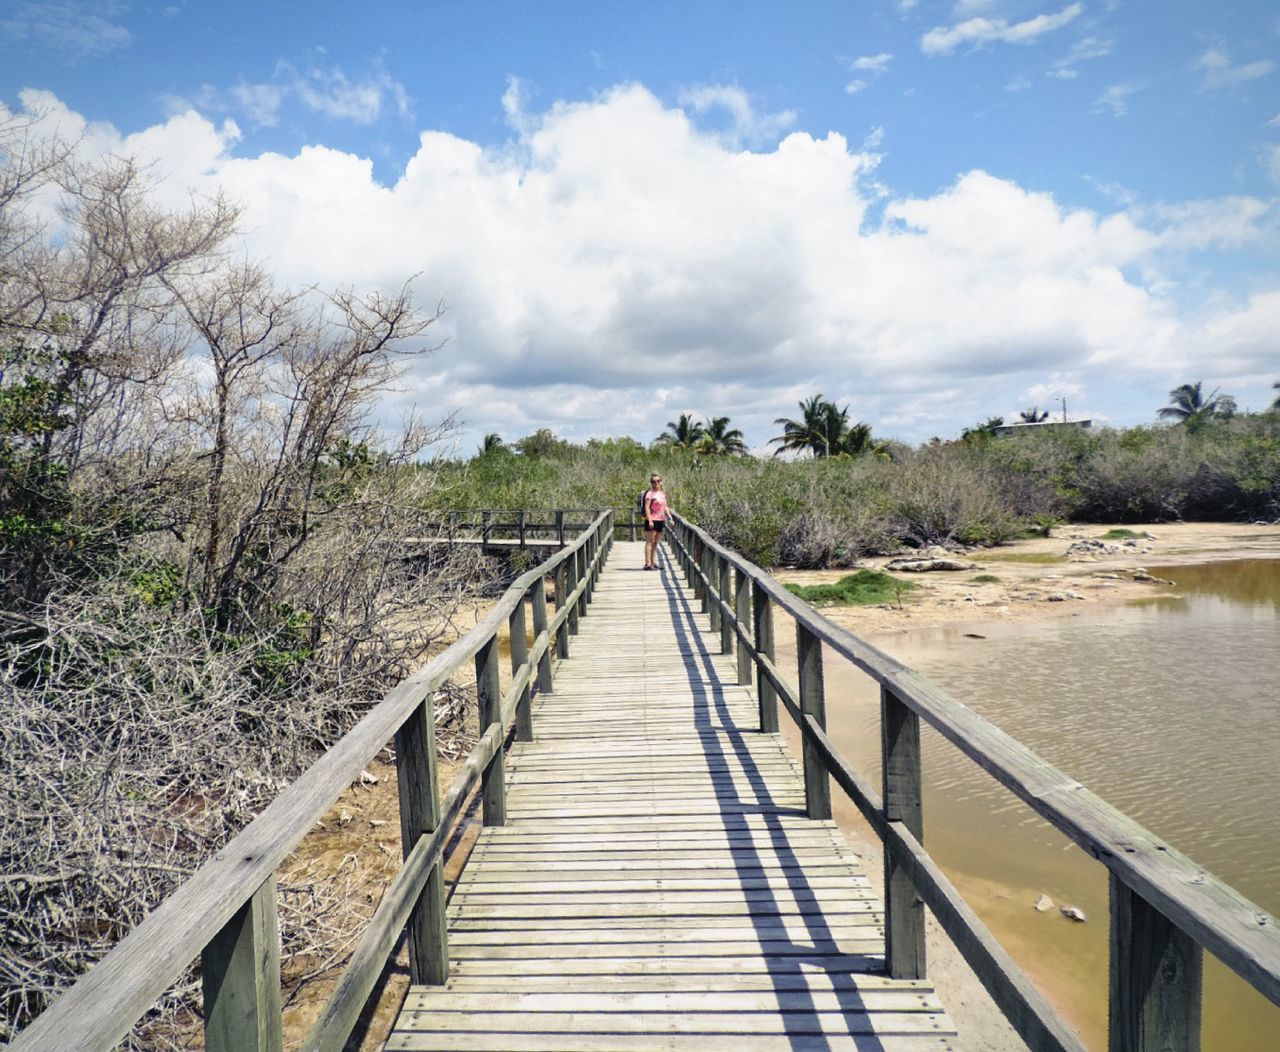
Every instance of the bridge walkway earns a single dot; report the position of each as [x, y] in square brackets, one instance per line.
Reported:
[657, 884]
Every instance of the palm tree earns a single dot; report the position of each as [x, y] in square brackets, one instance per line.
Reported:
[1034, 415]
[1276, 404]
[719, 438]
[1187, 405]
[492, 443]
[857, 440]
[684, 433]
[819, 429]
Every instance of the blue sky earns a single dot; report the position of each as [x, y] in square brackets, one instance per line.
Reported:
[933, 211]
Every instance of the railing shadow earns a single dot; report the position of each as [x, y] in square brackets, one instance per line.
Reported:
[786, 959]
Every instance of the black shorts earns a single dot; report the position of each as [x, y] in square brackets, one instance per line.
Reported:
[655, 526]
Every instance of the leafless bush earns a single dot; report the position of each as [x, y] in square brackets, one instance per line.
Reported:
[201, 555]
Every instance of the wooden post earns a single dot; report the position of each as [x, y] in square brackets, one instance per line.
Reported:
[486, 528]
[588, 551]
[579, 572]
[699, 585]
[742, 608]
[489, 693]
[726, 596]
[241, 978]
[903, 802]
[520, 527]
[539, 604]
[453, 522]
[519, 658]
[418, 778]
[560, 527]
[562, 633]
[712, 570]
[570, 583]
[762, 610]
[817, 785]
[631, 520]
[1156, 978]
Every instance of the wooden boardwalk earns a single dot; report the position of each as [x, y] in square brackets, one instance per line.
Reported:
[657, 884]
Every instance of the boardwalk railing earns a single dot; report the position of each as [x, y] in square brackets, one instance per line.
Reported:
[530, 527]
[226, 912]
[1164, 907]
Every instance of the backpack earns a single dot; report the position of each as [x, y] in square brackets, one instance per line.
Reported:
[640, 503]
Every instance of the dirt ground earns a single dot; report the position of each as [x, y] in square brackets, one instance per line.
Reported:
[1032, 573]
[1029, 574]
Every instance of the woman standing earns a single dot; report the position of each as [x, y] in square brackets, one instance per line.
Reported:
[655, 517]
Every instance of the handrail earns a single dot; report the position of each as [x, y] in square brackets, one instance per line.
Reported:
[1164, 906]
[226, 909]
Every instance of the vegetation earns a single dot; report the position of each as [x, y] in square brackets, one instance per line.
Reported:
[201, 538]
[986, 578]
[825, 511]
[1122, 534]
[1188, 406]
[823, 430]
[864, 588]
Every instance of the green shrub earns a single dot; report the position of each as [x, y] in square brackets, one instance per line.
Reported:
[863, 588]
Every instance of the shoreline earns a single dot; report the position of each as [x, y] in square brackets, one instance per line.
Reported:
[1029, 572]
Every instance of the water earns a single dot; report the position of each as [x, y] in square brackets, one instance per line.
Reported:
[1168, 708]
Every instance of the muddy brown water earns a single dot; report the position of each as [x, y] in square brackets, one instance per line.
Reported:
[1168, 708]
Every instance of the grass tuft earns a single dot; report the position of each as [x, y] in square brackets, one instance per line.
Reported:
[1121, 534]
[986, 578]
[856, 589]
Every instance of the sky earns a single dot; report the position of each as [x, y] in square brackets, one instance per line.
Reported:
[930, 212]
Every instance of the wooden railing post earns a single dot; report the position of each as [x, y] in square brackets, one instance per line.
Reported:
[1156, 979]
[489, 694]
[817, 784]
[742, 608]
[631, 521]
[589, 569]
[539, 605]
[903, 802]
[418, 779]
[726, 596]
[699, 577]
[520, 527]
[762, 618]
[486, 529]
[580, 572]
[240, 971]
[713, 585]
[560, 527]
[562, 589]
[519, 657]
[570, 584]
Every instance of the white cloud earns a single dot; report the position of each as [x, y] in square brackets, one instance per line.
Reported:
[1084, 50]
[325, 90]
[873, 63]
[1220, 72]
[980, 30]
[1116, 99]
[69, 30]
[1017, 84]
[614, 248]
[749, 127]
[1271, 163]
[855, 86]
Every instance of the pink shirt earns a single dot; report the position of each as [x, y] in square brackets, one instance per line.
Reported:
[656, 504]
